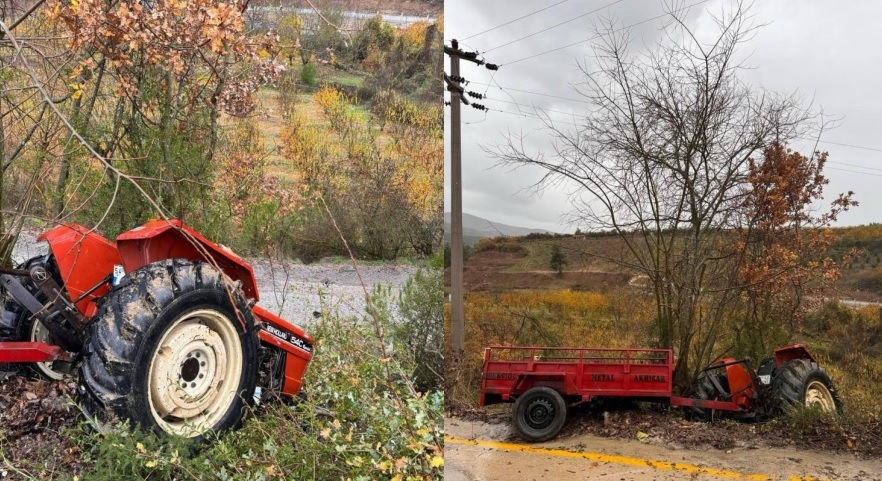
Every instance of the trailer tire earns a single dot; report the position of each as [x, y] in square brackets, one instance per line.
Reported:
[803, 383]
[539, 414]
[20, 325]
[173, 348]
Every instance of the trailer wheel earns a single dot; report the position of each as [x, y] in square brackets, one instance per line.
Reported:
[802, 382]
[18, 324]
[173, 348]
[539, 414]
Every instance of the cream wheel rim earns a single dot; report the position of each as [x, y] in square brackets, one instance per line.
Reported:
[194, 373]
[39, 333]
[817, 394]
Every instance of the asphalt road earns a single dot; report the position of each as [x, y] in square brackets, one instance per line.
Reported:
[475, 451]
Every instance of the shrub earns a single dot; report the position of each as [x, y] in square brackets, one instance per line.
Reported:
[307, 74]
[558, 259]
[420, 329]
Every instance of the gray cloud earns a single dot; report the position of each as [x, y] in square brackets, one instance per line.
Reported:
[825, 51]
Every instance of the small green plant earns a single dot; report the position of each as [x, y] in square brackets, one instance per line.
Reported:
[307, 74]
[420, 330]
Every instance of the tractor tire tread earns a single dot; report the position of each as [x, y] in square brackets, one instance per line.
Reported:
[116, 354]
[790, 381]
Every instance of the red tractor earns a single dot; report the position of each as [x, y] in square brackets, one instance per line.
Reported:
[544, 382]
[162, 325]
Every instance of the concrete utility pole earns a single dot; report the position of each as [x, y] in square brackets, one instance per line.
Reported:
[457, 323]
[454, 80]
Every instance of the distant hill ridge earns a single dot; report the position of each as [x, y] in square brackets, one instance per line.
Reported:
[475, 228]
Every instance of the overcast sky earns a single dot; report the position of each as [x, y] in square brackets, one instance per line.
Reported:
[829, 52]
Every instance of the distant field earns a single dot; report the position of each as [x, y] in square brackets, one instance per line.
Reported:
[269, 117]
[521, 262]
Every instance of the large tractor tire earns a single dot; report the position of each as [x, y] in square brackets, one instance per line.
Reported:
[19, 324]
[802, 382]
[539, 414]
[706, 390]
[172, 348]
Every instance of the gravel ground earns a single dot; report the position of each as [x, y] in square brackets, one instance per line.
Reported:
[290, 288]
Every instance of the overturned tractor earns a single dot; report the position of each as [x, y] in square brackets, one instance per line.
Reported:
[162, 325]
[542, 383]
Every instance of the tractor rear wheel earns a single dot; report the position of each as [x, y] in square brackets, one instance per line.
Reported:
[539, 414]
[802, 382]
[172, 348]
[19, 324]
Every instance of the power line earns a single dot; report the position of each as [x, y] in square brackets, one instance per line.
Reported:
[855, 171]
[554, 26]
[538, 117]
[875, 149]
[501, 87]
[534, 117]
[515, 20]
[854, 165]
[532, 107]
[534, 93]
[598, 35]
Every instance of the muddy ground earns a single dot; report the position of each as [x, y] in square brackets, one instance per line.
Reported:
[669, 428]
[476, 450]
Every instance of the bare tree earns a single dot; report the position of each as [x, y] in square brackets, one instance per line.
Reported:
[661, 158]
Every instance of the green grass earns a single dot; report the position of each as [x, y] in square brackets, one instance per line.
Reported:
[348, 80]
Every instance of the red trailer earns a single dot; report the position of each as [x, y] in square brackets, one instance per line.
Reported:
[542, 382]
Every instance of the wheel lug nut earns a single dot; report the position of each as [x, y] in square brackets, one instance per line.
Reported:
[202, 363]
[197, 354]
[201, 376]
[192, 384]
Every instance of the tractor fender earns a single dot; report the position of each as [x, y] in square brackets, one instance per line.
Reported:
[84, 259]
[159, 240]
[785, 354]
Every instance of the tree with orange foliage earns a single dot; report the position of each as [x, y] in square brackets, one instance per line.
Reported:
[783, 245]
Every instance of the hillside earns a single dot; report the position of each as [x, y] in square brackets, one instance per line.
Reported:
[522, 263]
[431, 8]
[475, 228]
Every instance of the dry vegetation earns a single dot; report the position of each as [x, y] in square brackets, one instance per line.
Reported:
[553, 312]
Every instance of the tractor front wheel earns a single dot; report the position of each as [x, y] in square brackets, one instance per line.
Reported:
[19, 324]
[173, 348]
[706, 390]
[539, 414]
[802, 382]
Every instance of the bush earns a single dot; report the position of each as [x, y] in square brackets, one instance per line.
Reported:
[501, 244]
[420, 330]
[307, 74]
[558, 259]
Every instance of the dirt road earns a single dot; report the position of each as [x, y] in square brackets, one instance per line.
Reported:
[476, 451]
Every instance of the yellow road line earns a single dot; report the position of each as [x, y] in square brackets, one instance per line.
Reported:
[623, 460]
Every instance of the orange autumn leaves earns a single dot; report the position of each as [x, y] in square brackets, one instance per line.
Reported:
[158, 34]
[196, 40]
[784, 242]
